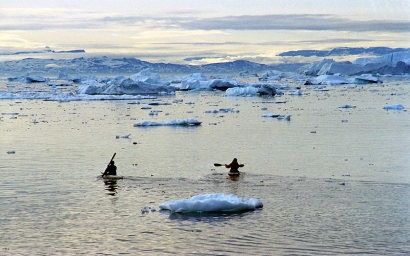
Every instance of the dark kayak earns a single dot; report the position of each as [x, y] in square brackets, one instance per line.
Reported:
[112, 177]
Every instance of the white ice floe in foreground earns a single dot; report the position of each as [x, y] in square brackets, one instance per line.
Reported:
[212, 203]
[188, 121]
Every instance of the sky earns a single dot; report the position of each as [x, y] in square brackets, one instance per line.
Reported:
[201, 31]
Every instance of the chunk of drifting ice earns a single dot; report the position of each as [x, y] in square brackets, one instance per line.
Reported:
[238, 91]
[296, 93]
[271, 115]
[189, 121]
[212, 203]
[123, 137]
[347, 106]
[394, 107]
[327, 80]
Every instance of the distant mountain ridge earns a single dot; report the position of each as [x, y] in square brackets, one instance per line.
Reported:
[109, 66]
[45, 50]
[342, 51]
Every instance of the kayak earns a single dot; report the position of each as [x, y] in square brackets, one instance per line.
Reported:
[112, 177]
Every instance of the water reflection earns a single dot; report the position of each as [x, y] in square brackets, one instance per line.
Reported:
[239, 177]
[207, 217]
[111, 186]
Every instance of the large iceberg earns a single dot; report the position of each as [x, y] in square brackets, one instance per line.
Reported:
[396, 63]
[141, 83]
[212, 203]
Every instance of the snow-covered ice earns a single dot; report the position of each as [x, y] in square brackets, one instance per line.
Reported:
[218, 202]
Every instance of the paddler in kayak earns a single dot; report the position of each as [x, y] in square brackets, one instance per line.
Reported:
[234, 166]
[111, 169]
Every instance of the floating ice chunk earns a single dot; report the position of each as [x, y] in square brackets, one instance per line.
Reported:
[296, 93]
[34, 79]
[239, 91]
[212, 203]
[189, 121]
[367, 80]
[124, 136]
[145, 209]
[271, 115]
[347, 106]
[394, 107]
[327, 80]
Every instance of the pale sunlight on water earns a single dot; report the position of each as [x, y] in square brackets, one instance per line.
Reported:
[52, 201]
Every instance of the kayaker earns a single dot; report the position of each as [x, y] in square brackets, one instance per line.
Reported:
[233, 165]
[111, 169]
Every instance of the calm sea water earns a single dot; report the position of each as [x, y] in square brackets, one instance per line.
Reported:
[52, 201]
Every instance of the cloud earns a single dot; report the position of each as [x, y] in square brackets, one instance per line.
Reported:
[47, 18]
[317, 22]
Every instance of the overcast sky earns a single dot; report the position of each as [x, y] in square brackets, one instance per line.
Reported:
[173, 30]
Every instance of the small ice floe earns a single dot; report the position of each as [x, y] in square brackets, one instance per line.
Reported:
[123, 137]
[366, 80]
[264, 108]
[158, 103]
[177, 101]
[238, 91]
[212, 203]
[154, 112]
[183, 122]
[284, 117]
[347, 106]
[296, 93]
[394, 107]
[271, 115]
[146, 108]
[145, 209]
[11, 152]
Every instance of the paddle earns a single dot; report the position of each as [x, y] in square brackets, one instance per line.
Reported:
[112, 158]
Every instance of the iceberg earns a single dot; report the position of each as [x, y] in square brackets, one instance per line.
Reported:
[270, 76]
[141, 83]
[184, 122]
[327, 80]
[217, 202]
[147, 76]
